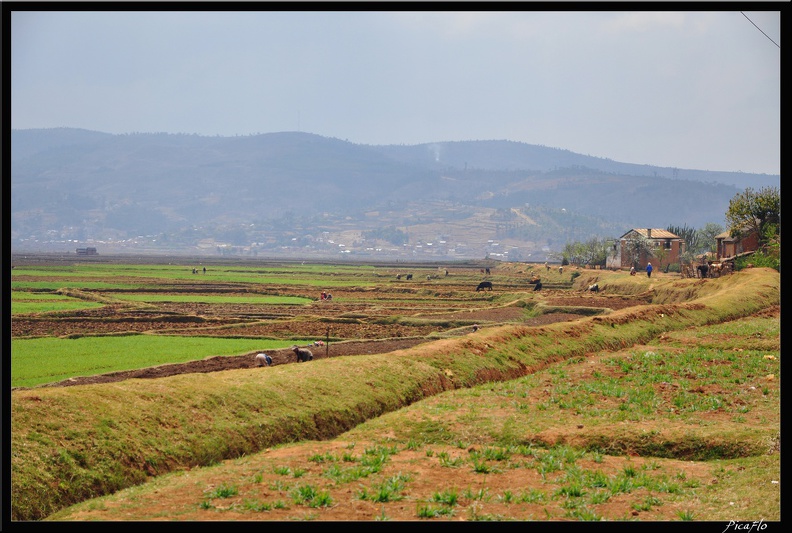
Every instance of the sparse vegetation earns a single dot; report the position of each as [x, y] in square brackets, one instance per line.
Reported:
[758, 259]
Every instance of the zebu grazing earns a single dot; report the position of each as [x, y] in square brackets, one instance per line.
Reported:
[484, 285]
[593, 288]
[302, 354]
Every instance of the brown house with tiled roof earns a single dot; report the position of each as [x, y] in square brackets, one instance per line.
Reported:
[727, 246]
[668, 247]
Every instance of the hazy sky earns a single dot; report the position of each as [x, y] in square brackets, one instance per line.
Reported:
[696, 90]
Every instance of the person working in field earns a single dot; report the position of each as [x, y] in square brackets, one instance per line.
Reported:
[302, 354]
[263, 359]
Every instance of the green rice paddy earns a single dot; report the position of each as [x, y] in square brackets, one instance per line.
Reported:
[49, 359]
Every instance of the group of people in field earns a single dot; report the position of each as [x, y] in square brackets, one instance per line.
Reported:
[303, 355]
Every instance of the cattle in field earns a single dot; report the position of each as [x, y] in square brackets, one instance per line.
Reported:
[409, 276]
[302, 354]
[594, 288]
[484, 285]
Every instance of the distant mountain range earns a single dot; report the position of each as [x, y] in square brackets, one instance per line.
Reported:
[297, 193]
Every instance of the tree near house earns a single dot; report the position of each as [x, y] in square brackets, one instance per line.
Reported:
[592, 252]
[661, 254]
[706, 237]
[691, 238]
[597, 251]
[573, 253]
[755, 211]
[637, 246]
[759, 212]
[697, 241]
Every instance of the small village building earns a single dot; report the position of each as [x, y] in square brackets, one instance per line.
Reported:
[727, 247]
[667, 249]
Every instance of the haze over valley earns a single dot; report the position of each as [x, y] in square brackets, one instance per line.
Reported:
[301, 195]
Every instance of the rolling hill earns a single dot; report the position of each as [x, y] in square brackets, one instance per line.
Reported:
[297, 193]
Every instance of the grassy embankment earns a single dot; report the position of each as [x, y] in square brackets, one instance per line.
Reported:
[670, 430]
[80, 442]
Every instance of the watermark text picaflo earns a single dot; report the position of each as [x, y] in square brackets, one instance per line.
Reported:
[745, 527]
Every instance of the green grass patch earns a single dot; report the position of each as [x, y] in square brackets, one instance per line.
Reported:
[91, 285]
[46, 306]
[213, 299]
[27, 296]
[46, 360]
[75, 275]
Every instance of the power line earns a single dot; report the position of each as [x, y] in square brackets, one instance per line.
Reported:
[760, 29]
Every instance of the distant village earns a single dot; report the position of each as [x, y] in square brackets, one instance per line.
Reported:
[308, 247]
[345, 244]
[667, 248]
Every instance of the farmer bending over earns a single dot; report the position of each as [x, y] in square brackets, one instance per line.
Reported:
[302, 354]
